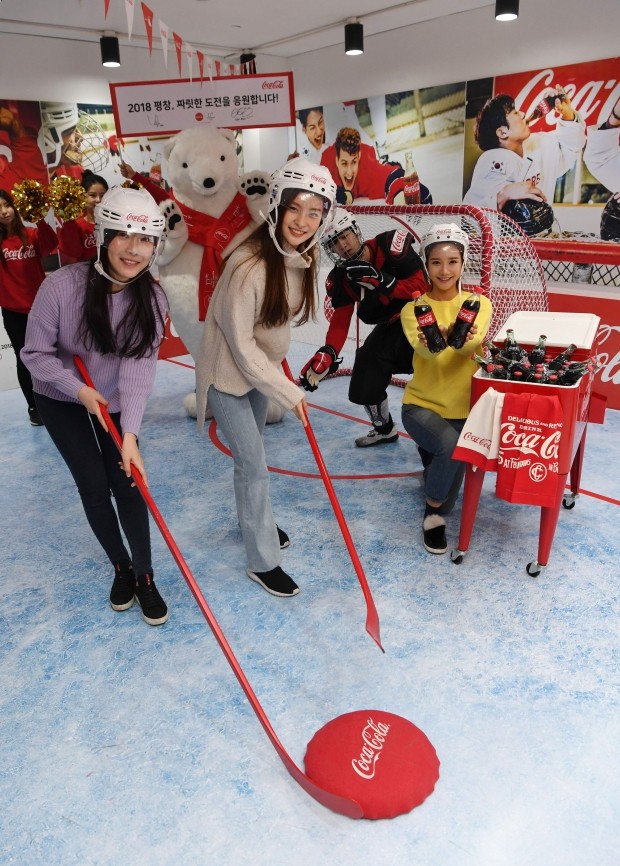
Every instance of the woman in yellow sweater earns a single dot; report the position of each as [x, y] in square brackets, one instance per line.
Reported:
[437, 398]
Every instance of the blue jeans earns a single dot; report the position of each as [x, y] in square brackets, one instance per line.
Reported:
[436, 436]
[242, 421]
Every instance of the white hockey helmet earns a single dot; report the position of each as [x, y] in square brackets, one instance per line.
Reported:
[300, 175]
[58, 117]
[134, 211]
[341, 222]
[445, 233]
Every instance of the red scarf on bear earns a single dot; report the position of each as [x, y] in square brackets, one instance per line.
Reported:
[213, 234]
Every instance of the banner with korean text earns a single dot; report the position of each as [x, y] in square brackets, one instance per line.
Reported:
[236, 102]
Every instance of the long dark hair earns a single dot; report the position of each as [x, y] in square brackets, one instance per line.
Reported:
[17, 227]
[275, 309]
[137, 331]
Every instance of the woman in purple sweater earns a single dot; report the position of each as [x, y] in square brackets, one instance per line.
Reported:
[110, 312]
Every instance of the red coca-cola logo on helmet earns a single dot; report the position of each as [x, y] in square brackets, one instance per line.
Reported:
[137, 218]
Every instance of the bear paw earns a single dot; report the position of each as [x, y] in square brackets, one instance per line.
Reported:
[176, 231]
[254, 183]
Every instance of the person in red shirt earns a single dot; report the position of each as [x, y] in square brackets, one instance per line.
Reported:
[21, 274]
[76, 238]
[20, 154]
[358, 173]
[380, 276]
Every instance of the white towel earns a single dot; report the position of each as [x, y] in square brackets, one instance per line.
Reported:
[478, 443]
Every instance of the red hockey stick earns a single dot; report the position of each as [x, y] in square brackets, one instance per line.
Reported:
[372, 617]
[341, 805]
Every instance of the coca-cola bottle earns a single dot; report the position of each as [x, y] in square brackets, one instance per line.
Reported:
[411, 189]
[429, 327]
[464, 320]
[487, 365]
[522, 365]
[537, 355]
[570, 375]
[546, 104]
[562, 357]
[512, 350]
[500, 372]
[491, 348]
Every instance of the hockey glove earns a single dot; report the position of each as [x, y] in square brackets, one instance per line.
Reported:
[364, 272]
[320, 365]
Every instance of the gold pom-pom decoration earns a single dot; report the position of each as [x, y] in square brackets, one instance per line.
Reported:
[68, 197]
[30, 199]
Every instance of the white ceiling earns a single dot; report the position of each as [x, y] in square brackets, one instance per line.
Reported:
[224, 28]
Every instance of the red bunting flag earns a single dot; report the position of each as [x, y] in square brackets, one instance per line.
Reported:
[218, 68]
[178, 42]
[106, 6]
[148, 23]
[189, 53]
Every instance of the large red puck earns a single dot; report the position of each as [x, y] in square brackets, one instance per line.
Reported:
[380, 760]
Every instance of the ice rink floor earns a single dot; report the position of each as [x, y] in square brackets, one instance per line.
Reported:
[128, 745]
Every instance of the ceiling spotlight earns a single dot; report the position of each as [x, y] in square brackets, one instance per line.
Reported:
[353, 37]
[506, 10]
[110, 51]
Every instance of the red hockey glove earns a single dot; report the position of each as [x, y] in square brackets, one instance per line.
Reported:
[321, 364]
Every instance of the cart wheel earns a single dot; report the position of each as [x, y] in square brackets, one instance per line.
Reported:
[534, 568]
[569, 500]
[457, 556]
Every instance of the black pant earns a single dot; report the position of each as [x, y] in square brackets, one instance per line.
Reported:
[15, 325]
[93, 460]
[385, 351]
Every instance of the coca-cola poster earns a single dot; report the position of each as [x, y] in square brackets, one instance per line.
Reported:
[398, 148]
[563, 151]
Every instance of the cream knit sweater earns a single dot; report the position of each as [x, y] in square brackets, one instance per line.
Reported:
[237, 353]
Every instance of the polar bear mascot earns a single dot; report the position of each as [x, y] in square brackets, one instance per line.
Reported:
[210, 210]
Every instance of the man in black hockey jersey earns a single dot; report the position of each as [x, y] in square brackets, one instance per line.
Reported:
[380, 276]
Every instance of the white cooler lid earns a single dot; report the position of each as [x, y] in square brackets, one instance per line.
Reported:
[559, 328]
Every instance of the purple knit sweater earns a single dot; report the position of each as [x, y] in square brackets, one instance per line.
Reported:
[52, 341]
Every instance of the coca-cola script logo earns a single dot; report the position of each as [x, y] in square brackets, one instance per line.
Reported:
[471, 437]
[398, 242]
[137, 218]
[526, 437]
[593, 90]
[373, 738]
[22, 253]
[273, 85]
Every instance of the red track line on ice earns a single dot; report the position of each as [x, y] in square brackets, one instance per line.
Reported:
[295, 474]
[598, 496]
[341, 805]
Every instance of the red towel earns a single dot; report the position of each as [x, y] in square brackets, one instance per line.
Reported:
[527, 464]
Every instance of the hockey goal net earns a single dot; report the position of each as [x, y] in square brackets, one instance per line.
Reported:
[501, 260]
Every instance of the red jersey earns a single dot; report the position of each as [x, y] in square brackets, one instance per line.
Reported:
[76, 241]
[373, 179]
[21, 270]
[393, 253]
[21, 159]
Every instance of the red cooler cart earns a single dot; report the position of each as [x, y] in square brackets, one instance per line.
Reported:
[561, 329]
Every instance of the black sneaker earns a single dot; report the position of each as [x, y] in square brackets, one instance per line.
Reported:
[275, 581]
[435, 533]
[283, 538]
[122, 592]
[377, 438]
[154, 610]
[35, 418]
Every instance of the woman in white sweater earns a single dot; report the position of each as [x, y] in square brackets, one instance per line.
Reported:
[267, 281]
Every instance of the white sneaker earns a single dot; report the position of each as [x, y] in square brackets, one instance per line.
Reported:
[376, 438]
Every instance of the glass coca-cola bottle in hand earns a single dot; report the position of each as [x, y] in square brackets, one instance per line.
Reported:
[464, 320]
[546, 104]
[427, 323]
